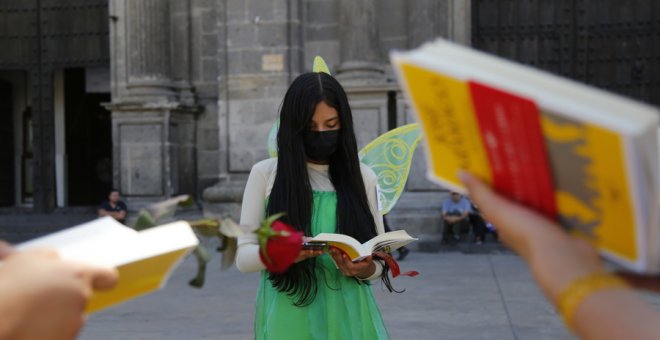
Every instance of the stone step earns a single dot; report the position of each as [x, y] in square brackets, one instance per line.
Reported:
[20, 228]
[432, 243]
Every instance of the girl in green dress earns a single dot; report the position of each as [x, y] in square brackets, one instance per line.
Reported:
[319, 183]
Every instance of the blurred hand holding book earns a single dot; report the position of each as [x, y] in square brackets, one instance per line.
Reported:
[144, 259]
[581, 156]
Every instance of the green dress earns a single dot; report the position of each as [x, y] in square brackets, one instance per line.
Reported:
[342, 309]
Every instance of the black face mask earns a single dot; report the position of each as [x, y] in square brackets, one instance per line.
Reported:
[320, 145]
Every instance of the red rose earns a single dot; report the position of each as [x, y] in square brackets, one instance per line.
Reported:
[279, 244]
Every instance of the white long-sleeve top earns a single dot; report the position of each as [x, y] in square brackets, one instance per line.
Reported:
[257, 189]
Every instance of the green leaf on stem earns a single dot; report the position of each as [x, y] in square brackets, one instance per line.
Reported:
[206, 227]
[230, 228]
[203, 257]
[144, 221]
[166, 209]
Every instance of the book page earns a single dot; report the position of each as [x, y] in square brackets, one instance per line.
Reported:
[95, 242]
[389, 241]
[347, 244]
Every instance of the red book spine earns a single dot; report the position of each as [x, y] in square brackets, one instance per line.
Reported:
[513, 139]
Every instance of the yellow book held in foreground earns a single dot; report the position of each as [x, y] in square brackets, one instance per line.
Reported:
[581, 156]
[144, 259]
[356, 251]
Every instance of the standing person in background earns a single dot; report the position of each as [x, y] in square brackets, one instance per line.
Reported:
[455, 217]
[43, 297]
[403, 251]
[318, 182]
[594, 303]
[113, 207]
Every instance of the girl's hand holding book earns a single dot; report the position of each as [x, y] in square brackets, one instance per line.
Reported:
[362, 269]
[306, 253]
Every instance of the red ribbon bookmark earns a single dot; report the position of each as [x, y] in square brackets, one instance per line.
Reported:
[394, 266]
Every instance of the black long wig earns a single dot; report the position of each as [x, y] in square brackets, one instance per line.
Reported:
[292, 191]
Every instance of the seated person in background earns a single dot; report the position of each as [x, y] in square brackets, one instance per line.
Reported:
[455, 215]
[480, 227]
[478, 224]
[113, 207]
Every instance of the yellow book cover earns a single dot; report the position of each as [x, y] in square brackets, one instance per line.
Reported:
[144, 259]
[579, 155]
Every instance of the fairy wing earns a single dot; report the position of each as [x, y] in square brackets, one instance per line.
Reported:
[272, 139]
[390, 156]
[319, 65]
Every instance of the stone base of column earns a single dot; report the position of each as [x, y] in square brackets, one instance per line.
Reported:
[224, 199]
[152, 90]
[153, 151]
[361, 72]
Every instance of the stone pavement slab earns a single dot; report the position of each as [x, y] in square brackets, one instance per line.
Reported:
[456, 296]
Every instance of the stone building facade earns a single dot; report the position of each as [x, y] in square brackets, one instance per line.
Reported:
[196, 85]
[163, 97]
[179, 95]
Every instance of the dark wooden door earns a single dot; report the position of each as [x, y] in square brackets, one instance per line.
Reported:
[611, 44]
[43, 36]
[88, 141]
[7, 178]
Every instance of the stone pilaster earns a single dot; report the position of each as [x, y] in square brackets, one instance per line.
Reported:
[153, 108]
[149, 49]
[359, 41]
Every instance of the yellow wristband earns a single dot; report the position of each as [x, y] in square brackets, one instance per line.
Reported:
[577, 291]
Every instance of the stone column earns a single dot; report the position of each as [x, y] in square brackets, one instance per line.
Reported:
[149, 60]
[359, 41]
[181, 58]
[153, 120]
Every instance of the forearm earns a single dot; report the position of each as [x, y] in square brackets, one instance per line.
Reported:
[6, 329]
[114, 214]
[247, 258]
[378, 271]
[10, 310]
[616, 314]
[117, 215]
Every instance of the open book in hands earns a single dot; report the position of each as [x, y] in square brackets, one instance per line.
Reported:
[144, 259]
[386, 242]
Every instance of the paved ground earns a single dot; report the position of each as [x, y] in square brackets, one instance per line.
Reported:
[456, 296]
[463, 292]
